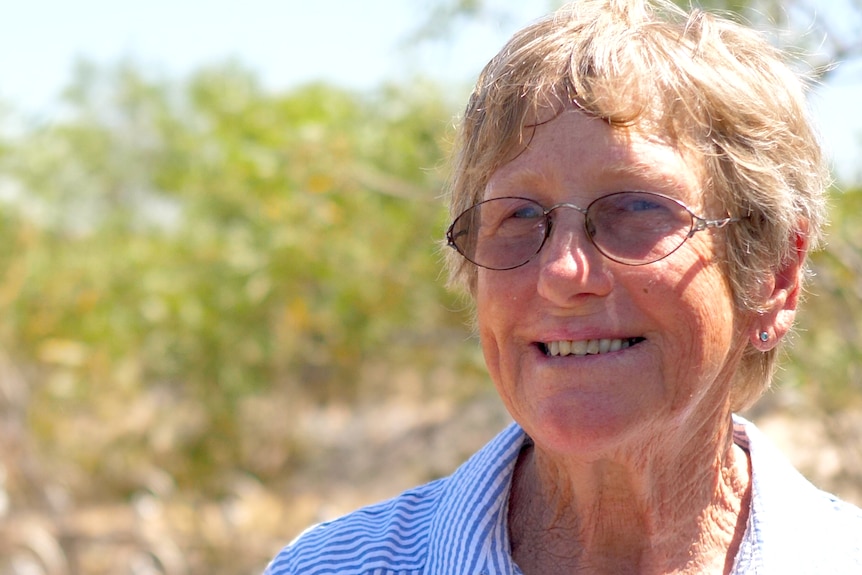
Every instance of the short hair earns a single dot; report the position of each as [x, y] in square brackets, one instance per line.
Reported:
[718, 89]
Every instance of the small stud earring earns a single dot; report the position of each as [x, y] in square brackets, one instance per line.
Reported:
[764, 336]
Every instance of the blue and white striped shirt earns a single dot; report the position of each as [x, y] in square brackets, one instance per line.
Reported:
[458, 525]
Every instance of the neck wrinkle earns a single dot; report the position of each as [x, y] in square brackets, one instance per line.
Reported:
[659, 509]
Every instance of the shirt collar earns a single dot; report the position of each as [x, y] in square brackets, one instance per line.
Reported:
[468, 534]
[470, 522]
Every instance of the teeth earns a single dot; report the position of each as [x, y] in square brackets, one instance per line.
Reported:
[588, 347]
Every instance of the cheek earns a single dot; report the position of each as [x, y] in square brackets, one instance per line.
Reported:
[500, 304]
[718, 298]
[497, 296]
[713, 317]
[693, 306]
[489, 316]
[704, 283]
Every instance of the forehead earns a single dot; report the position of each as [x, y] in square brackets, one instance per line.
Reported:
[582, 156]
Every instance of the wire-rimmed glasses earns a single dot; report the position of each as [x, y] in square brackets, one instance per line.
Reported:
[631, 228]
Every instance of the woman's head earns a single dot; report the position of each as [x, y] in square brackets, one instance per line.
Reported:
[714, 89]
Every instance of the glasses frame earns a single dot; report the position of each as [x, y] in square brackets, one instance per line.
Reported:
[698, 224]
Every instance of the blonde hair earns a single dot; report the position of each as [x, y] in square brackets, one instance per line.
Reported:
[715, 87]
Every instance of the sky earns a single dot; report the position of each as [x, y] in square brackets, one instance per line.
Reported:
[352, 43]
[355, 43]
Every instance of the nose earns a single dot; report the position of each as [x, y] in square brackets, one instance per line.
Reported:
[570, 265]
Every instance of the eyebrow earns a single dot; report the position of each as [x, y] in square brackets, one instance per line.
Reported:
[647, 171]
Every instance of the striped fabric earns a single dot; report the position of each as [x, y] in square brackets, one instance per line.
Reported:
[457, 525]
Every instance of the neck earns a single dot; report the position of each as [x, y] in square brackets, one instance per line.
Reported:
[661, 507]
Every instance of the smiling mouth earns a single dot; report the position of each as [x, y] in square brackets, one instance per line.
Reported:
[587, 347]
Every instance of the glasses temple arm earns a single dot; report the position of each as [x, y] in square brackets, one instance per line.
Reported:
[703, 224]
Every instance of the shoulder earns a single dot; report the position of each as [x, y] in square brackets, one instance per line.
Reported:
[795, 523]
[838, 521]
[430, 527]
[829, 538]
[387, 537]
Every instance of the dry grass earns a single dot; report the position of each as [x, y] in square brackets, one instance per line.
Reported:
[356, 455]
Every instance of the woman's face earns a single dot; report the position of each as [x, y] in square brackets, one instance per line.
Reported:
[676, 315]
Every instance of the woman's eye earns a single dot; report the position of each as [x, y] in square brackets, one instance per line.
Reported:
[642, 205]
[527, 212]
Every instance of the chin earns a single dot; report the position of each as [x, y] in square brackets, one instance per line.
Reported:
[586, 428]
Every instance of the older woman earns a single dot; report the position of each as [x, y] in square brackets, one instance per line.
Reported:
[634, 195]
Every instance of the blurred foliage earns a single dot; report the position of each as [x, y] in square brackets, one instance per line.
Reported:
[191, 246]
[825, 363]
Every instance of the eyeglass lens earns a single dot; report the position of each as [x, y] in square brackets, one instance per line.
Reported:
[633, 228]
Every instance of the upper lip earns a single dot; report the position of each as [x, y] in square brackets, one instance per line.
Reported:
[583, 338]
[582, 329]
[583, 334]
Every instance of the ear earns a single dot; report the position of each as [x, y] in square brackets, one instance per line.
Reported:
[782, 291]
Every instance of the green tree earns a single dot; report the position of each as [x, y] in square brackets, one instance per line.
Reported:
[183, 251]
